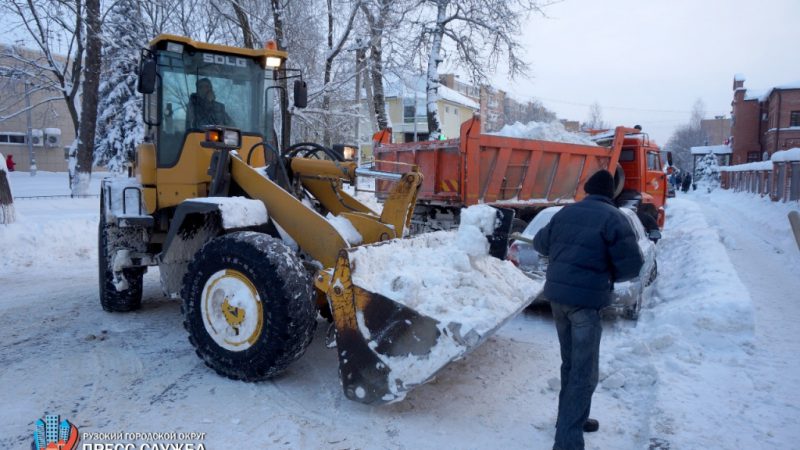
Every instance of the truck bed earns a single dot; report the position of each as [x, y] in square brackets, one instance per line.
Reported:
[513, 172]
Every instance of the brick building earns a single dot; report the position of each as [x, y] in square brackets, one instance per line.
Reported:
[764, 122]
[492, 101]
[717, 130]
[50, 121]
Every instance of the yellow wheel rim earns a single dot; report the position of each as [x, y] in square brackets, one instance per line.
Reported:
[232, 310]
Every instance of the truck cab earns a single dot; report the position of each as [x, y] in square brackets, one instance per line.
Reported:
[645, 184]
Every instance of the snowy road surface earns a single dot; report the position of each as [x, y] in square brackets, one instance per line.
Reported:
[712, 362]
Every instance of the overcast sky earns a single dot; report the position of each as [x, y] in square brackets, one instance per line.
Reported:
[646, 62]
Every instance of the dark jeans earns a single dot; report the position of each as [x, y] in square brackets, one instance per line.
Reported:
[579, 332]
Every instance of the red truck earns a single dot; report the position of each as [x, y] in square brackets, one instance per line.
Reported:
[523, 174]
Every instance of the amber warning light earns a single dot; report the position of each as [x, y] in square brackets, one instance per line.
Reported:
[222, 138]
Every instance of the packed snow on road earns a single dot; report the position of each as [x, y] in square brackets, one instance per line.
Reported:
[711, 363]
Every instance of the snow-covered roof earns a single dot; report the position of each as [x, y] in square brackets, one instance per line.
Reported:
[793, 154]
[445, 93]
[760, 165]
[715, 149]
[416, 87]
[754, 94]
[764, 95]
[456, 97]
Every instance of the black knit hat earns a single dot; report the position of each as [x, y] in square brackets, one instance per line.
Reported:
[601, 183]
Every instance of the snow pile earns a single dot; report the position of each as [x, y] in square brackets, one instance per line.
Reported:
[793, 154]
[345, 228]
[238, 212]
[450, 277]
[61, 239]
[698, 323]
[447, 275]
[543, 131]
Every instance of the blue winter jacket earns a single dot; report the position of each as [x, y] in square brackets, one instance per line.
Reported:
[590, 245]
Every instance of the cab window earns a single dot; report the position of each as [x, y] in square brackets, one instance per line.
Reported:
[653, 161]
[626, 155]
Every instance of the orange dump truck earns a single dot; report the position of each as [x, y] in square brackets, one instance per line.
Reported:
[523, 174]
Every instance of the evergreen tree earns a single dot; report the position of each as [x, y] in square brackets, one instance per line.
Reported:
[707, 172]
[119, 120]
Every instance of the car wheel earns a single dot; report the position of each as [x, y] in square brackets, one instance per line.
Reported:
[653, 274]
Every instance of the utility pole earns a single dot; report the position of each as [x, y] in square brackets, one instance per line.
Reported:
[29, 137]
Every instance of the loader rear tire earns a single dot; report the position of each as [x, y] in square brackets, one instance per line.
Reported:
[111, 299]
[248, 305]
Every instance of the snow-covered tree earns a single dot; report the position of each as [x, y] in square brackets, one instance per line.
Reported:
[68, 28]
[119, 122]
[476, 35]
[7, 214]
[707, 172]
[687, 136]
[595, 119]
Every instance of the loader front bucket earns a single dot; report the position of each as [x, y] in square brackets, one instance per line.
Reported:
[386, 348]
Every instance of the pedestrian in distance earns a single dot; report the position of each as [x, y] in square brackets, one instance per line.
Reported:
[10, 162]
[687, 182]
[591, 245]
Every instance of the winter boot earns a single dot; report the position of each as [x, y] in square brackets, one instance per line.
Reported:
[591, 425]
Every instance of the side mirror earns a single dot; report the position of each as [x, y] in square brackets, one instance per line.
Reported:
[147, 76]
[669, 158]
[300, 94]
[654, 235]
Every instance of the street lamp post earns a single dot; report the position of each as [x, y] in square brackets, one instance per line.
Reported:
[29, 137]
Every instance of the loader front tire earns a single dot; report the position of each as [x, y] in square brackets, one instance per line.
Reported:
[248, 305]
[112, 300]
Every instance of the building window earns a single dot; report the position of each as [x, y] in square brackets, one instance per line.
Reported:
[12, 138]
[409, 137]
[753, 156]
[794, 119]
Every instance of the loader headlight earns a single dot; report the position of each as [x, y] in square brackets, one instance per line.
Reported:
[222, 138]
[348, 152]
[273, 61]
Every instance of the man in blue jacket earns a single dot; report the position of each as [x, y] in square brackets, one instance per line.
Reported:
[590, 245]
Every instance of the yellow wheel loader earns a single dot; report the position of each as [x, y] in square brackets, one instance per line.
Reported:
[237, 224]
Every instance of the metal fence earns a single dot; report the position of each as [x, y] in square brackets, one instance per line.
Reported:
[782, 183]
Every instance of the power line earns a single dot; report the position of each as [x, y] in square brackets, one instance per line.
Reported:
[624, 108]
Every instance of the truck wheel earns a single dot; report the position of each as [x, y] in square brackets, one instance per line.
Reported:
[112, 300]
[248, 305]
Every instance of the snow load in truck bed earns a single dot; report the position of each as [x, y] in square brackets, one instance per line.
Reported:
[543, 131]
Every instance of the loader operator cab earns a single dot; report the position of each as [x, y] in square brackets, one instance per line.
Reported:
[204, 110]
[189, 86]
